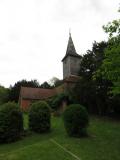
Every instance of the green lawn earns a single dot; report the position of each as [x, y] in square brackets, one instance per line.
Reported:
[103, 143]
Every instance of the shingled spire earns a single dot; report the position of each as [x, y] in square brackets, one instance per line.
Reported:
[70, 48]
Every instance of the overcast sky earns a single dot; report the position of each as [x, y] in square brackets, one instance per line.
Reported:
[34, 34]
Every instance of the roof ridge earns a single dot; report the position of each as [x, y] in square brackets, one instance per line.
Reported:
[37, 88]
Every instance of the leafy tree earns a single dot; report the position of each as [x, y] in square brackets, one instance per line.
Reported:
[88, 92]
[15, 90]
[3, 94]
[112, 28]
[110, 68]
[100, 74]
[98, 52]
[102, 98]
[84, 93]
[45, 85]
[92, 60]
[87, 66]
[55, 82]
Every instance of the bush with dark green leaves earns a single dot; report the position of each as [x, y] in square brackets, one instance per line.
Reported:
[76, 120]
[40, 117]
[11, 122]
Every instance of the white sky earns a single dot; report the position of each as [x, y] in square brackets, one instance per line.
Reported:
[34, 34]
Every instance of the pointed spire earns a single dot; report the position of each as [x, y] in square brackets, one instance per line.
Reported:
[70, 47]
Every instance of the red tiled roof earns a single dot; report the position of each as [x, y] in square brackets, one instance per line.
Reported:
[36, 93]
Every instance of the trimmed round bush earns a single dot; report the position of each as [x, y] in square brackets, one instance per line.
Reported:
[11, 122]
[40, 117]
[76, 120]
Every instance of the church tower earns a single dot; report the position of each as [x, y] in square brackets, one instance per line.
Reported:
[71, 60]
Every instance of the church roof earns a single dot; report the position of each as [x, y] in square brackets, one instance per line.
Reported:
[71, 49]
[36, 93]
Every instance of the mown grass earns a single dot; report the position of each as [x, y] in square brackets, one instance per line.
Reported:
[102, 144]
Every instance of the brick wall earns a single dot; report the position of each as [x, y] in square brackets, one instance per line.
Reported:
[25, 104]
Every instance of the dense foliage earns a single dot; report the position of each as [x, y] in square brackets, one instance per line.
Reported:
[99, 86]
[40, 117]
[55, 82]
[110, 69]
[90, 92]
[3, 94]
[92, 60]
[11, 122]
[45, 85]
[57, 100]
[76, 120]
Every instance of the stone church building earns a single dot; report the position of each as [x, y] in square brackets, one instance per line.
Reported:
[71, 65]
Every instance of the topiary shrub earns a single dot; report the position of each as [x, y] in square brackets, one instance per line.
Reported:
[76, 120]
[39, 117]
[11, 122]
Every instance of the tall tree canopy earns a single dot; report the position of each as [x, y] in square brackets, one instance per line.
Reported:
[55, 82]
[92, 60]
[89, 92]
[3, 94]
[45, 85]
[110, 68]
